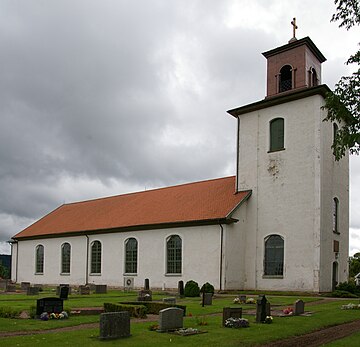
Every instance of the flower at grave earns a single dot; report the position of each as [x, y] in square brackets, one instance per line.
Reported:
[236, 301]
[154, 327]
[44, 316]
[268, 320]
[190, 314]
[147, 295]
[288, 311]
[349, 306]
[250, 301]
[236, 323]
[61, 316]
[187, 331]
[65, 314]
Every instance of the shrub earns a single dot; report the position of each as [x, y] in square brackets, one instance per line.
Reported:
[342, 294]
[9, 312]
[191, 289]
[138, 311]
[207, 288]
[349, 286]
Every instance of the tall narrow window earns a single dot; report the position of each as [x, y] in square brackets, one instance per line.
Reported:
[173, 254]
[336, 215]
[131, 250]
[277, 134]
[314, 80]
[96, 257]
[274, 256]
[65, 258]
[39, 259]
[285, 81]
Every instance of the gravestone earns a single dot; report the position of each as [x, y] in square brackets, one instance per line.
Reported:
[268, 308]
[170, 319]
[92, 286]
[40, 286]
[64, 292]
[114, 325]
[261, 309]
[231, 312]
[24, 285]
[62, 285]
[3, 284]
[145, 295]
[32, 291]
[299, 307]
[84, 290]
[181, 291]
[207, 299]
[101, 289]
[147, 284]
[49, 305]
[171, 300]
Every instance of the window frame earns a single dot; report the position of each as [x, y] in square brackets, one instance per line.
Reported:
[273, 268]
[174, 247]
[288, 69]
[39, 259]
[131, 256]
[335, 216]
[65, 258]
[95, 258]
[275, 144]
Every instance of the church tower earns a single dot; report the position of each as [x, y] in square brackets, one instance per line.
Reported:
[297, 230]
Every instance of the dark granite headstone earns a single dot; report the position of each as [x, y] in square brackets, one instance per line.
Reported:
[64, 292]
[24, 285]
[207, 299]
[242, 299]
[10, 287]
[299, 307]
[84, 290]
[181, 291]
[49, 305]
[101, 289]
[147, 284]
[171, 300]
[261, 309]
[114, 325]
[145, 295]
[32, 291]
[3, 284]
[62, 285]
[170, 319]
[231, 312]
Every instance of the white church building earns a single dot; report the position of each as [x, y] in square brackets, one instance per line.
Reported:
[281, 223]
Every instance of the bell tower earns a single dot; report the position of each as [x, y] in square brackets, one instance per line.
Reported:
[294, 66]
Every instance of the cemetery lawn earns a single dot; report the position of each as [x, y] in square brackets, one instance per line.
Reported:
[325, 313]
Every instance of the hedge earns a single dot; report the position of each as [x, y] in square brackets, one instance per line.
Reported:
[138, 311]
[154, 307]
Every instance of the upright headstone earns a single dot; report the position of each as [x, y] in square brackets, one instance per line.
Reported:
[84, 290]
[101, 289]
[181, 291]
[49, 305]
[171, 300]
[92, 287]
[261, 309]
[147, 284]
[24, 285]
[32, 291]
[231, 312]
[242, 299]
[145, 295]
[62, 285]
[64, 293]
[299, 307]
[10, 287]
[170, 319]
[114, 325]
[3, 284]
[207, 299]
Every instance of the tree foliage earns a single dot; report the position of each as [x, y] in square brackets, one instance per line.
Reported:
[343, 105]
[354, 265]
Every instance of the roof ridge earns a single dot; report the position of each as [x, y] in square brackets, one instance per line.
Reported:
[146, 191]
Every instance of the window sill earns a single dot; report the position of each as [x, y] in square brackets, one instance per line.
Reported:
[173, 275]
[130, 274]
[65, 274]
[276, 150]
[95, 274]
[273, 276]
[39, 273]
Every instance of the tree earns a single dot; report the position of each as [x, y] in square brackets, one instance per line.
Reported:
[354, 265]
[343, 104]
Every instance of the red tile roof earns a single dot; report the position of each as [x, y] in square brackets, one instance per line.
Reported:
[205, 201]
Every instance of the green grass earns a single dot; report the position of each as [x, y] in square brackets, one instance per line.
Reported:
[352, 340]
[325, 314]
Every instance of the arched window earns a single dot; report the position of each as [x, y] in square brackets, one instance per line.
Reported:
[285, 81]
[314, 80]
[96, 257]
[39, 259]
[274, 256]
[131, 250]
[173, 254]
[277, 134]
[336, 215]
[65, 258]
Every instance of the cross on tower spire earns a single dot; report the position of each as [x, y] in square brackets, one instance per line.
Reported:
[293, 23]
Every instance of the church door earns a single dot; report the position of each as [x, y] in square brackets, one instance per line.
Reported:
[334, 275]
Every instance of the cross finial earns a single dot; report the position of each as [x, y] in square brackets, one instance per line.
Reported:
[293, 23]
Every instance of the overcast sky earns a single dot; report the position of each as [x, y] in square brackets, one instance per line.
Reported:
[105, 97]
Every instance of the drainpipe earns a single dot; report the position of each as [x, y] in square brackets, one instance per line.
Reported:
[87, 260]
[221, 254]
[237, 155]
